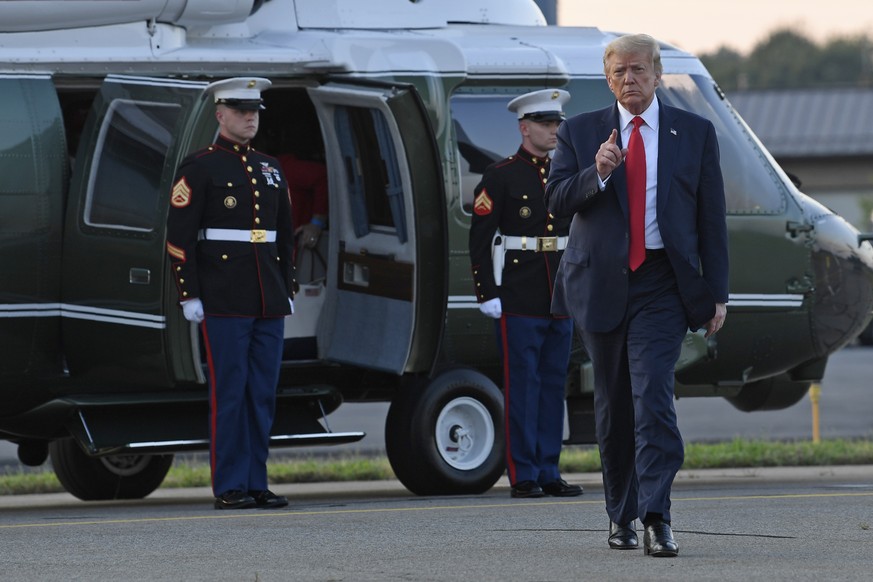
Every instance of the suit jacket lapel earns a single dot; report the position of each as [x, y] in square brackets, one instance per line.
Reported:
[610, 121]
[669, 136]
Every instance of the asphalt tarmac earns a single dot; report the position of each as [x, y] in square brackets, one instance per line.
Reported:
[798, 524]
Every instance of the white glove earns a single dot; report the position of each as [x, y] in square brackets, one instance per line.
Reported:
[291, 302]
[492, 308]
[193, 310]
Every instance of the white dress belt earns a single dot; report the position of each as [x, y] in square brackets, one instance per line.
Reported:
[239, 235]
[535, 243]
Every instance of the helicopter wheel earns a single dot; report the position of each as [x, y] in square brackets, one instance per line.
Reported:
[108, 477]
[445, 436]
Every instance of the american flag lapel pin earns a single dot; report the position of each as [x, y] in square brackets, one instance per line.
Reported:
[673, 131]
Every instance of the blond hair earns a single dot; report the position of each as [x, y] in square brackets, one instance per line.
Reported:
[632, 44]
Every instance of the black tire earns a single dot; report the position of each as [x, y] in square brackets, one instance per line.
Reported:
[109, 477]
[421, 445]
[775, 393]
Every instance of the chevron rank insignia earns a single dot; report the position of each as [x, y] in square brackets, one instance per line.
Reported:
[482, 205]
[176, 252]
[181, 196]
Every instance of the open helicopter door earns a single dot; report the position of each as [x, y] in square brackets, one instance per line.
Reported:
[387, 278]
[119, 305]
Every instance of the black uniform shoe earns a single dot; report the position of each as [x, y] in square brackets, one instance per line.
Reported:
[658, 540]
[561, 488]
[266, 499]
[622, 537]
[527, 489]
[234, 500]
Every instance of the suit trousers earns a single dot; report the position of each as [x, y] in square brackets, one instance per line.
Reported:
[640, 446]
[244, 355]
[536, 353]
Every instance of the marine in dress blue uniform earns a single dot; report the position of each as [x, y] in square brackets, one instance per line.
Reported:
[511, 225]
[230, 241]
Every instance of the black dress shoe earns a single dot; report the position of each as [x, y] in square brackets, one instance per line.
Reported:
[561, 488]
[527, 489]
[658, 540]
[234, 500]
[622, 537]
[266, 499]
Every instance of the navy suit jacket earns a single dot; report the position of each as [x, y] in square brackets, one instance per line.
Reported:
[592, 280]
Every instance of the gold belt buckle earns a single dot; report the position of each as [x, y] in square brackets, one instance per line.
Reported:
[547, 243]
[259, 236]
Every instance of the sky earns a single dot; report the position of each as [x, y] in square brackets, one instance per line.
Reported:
[703, 26]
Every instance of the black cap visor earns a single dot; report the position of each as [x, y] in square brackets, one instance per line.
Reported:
[542, 116]
[242, 104]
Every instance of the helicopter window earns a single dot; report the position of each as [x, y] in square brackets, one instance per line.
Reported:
[372, 173]
[131, 153]
[751, 181]
[485, 132]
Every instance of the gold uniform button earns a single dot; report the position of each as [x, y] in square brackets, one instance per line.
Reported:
[534, 160]
[257, 206]
[524, 197]
[544, 180]
[235, 148]
[184, 294]
[515, 261]
[223, 257]
[230, 184]
[178, 268]
[181, 281]
[542, 170]
[244, 158]
[254, 181]
[257, 220]
[550, 228]
[248, 169]
[257, 194]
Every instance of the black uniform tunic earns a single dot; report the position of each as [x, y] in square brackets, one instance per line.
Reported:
[232, 186]
[510, 198]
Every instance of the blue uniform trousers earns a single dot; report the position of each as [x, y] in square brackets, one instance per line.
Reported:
[641, 449]
[535, 353]
[244, 355]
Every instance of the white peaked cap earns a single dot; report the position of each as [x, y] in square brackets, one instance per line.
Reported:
[543, 105]
[240, 92]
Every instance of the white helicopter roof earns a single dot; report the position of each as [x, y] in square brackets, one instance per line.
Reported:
[297, 36]
[45, 15]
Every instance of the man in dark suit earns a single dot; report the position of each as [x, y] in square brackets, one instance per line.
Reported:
[515, 248]
[646, 260]
[230, 241]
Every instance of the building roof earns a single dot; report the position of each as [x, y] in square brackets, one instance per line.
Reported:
[810, 122]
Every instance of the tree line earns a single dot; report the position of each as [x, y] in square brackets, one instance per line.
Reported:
[789, 60]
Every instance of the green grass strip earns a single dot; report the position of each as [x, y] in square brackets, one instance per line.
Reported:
[737, 453]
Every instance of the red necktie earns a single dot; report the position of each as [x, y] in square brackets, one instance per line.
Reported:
[636, 195]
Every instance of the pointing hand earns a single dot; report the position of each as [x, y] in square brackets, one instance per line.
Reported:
[609, 156]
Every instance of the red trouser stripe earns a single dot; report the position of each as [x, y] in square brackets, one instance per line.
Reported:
[504, 344]
[212, 403]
